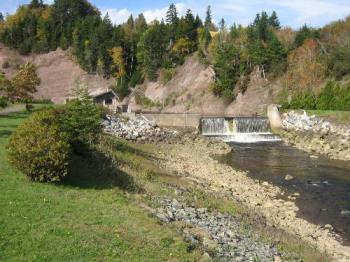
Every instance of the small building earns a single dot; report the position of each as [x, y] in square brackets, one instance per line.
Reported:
[108, 98]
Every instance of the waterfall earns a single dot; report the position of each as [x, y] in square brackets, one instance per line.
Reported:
[213, 126]
[239, 129]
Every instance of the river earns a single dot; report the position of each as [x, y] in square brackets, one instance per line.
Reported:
[323, 184]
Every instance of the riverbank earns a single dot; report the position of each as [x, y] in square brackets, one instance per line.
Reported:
[316, 135]
[193, 160]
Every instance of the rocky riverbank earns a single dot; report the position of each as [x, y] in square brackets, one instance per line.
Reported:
[192, 159]
[138, 129]
[316, 136]
[220, 235]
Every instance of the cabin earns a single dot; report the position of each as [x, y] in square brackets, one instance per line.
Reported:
[106, 97]
[109, 99]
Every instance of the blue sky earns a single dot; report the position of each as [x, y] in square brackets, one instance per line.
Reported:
[293, 13]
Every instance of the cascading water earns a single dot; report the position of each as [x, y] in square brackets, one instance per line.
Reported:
[239, 129]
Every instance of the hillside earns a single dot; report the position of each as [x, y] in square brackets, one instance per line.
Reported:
[190, 90]
[182, 64]
[59, 74]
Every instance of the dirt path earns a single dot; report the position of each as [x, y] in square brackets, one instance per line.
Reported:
[193, 160]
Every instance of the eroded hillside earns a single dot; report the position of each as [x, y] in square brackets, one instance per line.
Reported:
[59, 74]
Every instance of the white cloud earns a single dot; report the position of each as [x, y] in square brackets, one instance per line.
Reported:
[119, 16]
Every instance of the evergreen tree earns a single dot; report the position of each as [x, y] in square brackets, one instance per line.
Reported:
[1, 17]
[305, 33]
[207, 26]
[36, 4]
[198, 22]
[172, 20]
[274, 21]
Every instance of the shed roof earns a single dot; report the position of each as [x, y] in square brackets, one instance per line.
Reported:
[101, 92]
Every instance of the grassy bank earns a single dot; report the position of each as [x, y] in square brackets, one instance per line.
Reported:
[88, 217]
[95, 213]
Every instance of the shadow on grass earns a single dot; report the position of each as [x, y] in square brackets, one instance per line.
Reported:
[5, 133]
[96, 171]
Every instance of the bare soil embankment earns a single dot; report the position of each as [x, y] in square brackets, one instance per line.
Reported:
[57, 70]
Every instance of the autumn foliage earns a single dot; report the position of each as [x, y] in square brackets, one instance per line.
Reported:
[305, 69]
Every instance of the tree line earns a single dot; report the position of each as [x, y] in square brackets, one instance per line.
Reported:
[137, 50]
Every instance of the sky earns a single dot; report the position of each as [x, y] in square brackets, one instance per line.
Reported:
[293, 13]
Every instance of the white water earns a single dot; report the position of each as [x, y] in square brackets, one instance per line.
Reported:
[239, 130]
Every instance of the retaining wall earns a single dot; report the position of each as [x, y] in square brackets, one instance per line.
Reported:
[174, 120]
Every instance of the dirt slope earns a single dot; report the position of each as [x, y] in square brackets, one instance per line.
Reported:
[59, 74]
[190, 91]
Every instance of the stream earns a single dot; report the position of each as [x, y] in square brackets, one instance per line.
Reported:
[323, 184]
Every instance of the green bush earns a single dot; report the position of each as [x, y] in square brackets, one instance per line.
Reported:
[136, 78]
[122, 87]
[334, 97]
[39, 148]
[81, 119]
[167, 74]
[3, 102]
[304, 100]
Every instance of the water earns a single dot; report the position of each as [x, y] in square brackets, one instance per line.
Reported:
[239, 129]
[323, 184]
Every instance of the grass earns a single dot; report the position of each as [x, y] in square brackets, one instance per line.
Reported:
[87, 217]
[94, 213]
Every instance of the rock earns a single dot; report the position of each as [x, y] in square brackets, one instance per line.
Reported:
[288, 177]
[277, 259]
[137, 128]
[206, 258]
[265, 183]
[345, 212]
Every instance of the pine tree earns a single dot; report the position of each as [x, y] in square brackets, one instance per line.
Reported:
[1, 17]
[172, 15]
[207, 26]
[198, 22]
[172, 20]
[274, 21]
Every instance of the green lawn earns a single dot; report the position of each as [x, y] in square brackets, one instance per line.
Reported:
[88, 217]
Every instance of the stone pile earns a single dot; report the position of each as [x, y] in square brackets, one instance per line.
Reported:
[217, 233]
[316, 135]
[302, 122]
[137, 129]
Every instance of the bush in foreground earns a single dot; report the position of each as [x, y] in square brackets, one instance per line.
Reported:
[39, 148]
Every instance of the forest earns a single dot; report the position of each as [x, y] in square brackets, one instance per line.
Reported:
[135, 51]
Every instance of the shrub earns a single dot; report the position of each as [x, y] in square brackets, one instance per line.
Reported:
[3, 102]
[303, 100]
[39, 148]
[334, 97]
[81, 119]
[136, 78]
[121, 87]
[167, 75]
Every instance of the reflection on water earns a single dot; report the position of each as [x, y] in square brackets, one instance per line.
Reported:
[323, 184]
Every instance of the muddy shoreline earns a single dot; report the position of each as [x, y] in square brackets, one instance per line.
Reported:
[193, 159]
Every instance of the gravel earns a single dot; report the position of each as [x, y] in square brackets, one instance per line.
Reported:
[219, 234]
